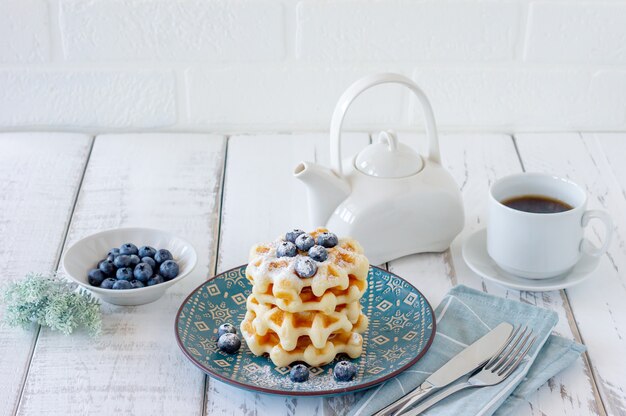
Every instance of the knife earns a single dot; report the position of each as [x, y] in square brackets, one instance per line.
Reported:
[464, 362]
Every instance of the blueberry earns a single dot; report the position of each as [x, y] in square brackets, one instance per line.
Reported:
[96, 277]
[114, 252]
[299, 373]
[122, 261]
[169, 269]
[229, 343]
[304, 242]
[107, 267]
[162, 256]
[293, 234]
[128, 249]
[142, 272]
[146, 251]
[125, 273]
[111, 257]
[136, 284]
[134, 260]
[327, 240]
[122, 285]
[108, 283]
[318, 253]
[226, 329]
[150, 261]
[344, 371]
[286, 249]
[155, 280]
[305, 267]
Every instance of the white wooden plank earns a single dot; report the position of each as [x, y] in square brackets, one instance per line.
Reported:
[262, 200]
[596, 163]
[167, 181]
[39, 178]
[614, 147]
[475, 162]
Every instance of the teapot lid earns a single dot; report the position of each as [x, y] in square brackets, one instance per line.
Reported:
[388, 158]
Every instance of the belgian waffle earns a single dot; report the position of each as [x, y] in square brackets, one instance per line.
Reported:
[317, 326]
[307, 301]
[350, 343]
[345, 261]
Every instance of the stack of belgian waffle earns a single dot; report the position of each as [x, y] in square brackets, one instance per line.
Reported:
[305, 301]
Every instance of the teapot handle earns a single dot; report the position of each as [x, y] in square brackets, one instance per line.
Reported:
[355, 90]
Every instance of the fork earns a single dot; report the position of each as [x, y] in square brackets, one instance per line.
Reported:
[497, 369]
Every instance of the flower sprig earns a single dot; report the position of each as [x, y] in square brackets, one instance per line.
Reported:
[50, 301]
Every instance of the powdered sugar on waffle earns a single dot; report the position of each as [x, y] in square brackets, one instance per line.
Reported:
[344, 260]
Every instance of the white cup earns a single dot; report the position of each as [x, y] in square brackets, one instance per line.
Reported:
[540, 246]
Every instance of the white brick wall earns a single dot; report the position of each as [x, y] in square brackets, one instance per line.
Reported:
[172, 30]
[592, 32]
[518, 99]
[86, 99]
[273, 65]
[285, 96]
[24, 31]
[409, 31]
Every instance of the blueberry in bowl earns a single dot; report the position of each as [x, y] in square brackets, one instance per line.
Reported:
[121, 261]
[122, 285]
[143, 282]
[96, 277]
[107, 283]
[150, 261]
[143, 272]
[134, 260]
[108, 267]
[124, 273]
[169, 269]
[147, 251]
[129, 249]
[155, 280]
[162, 256]
[128, 268]
[136, 284]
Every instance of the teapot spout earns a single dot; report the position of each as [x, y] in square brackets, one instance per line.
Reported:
[325, 190]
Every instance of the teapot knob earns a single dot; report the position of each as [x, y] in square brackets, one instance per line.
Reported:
[390, 138]
[388, 158]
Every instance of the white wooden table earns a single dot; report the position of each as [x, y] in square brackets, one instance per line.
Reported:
[225, 193]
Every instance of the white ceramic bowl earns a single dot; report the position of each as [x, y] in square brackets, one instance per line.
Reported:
[85, 254]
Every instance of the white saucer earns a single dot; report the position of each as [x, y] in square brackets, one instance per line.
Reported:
[476, 256]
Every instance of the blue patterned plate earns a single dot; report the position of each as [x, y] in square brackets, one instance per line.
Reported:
[400, 332]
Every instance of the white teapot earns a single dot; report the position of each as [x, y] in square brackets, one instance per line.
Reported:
[388, 197]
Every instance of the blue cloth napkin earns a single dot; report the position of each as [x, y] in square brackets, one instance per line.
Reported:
[463, 316]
